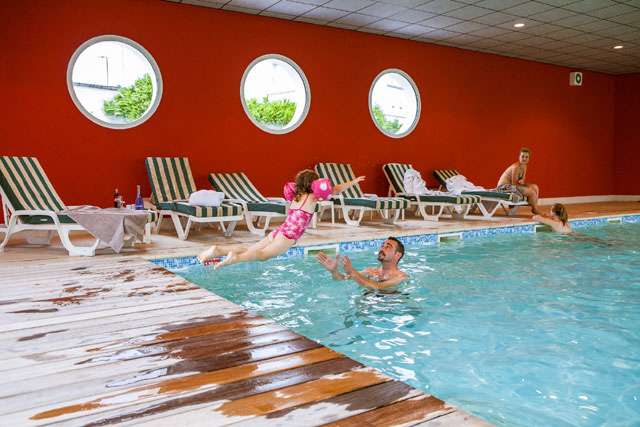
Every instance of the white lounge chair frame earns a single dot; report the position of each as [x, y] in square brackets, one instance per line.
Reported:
[177, 216]
[510, 208]
[15, 225]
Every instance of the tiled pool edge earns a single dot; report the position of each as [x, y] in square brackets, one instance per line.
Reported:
[425, 238]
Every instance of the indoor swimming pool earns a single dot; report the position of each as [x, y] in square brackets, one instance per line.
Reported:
[525, 329]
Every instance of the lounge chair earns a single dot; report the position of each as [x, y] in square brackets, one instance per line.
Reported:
[491, 200]
[239, 189]
[30, 203]
[353, 199]
[437, 203]
[171, 185]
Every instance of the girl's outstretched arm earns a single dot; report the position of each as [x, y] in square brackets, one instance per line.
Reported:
[337, 189]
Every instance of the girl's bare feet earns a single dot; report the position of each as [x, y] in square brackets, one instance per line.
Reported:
[207, 254]
[231, 258]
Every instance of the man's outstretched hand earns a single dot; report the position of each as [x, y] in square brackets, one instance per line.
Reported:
[330, 264]
[346, 264]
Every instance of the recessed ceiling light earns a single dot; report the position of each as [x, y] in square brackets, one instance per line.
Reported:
[518, 25]
[618, 46]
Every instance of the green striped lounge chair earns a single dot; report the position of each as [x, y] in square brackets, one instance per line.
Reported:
[30, 203]
[239, 189]
[171, 185]
[353, 200]
[454, 205]
[491, 200]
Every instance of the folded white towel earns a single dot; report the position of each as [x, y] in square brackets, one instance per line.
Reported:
[458, 184]
[415, 185]
[206, 198]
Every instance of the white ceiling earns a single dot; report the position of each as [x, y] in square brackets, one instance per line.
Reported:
[579, 34]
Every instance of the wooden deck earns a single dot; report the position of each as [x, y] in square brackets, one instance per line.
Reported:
[105, 341]
[115, 339]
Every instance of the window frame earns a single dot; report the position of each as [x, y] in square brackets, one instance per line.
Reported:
[414, 86]
[305, 83]
[112, 37]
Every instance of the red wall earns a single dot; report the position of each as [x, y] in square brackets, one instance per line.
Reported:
[477, 109]
[627, 134]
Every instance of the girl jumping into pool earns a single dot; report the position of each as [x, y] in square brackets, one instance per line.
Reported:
[558, 219]
[303, 195]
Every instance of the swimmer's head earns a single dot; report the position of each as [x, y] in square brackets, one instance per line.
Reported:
[560, 212]
[525, 155]
[304, 178]
[392, 250]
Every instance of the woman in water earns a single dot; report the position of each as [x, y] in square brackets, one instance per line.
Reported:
[558, 219]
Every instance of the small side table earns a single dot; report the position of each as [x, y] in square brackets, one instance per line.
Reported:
[112, 226]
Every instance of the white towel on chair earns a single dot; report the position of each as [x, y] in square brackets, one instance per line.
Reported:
[206, 198]
[458, 184]
[415, 185]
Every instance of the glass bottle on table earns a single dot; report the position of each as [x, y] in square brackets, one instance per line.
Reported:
[117, 199]
[139, 201]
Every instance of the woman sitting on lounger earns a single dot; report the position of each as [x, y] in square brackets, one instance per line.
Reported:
[512, 180]
[558, 219]
[303, 195]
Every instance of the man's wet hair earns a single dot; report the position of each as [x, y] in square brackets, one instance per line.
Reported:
[399, 246]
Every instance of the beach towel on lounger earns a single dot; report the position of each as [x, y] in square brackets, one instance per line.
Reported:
[516, 197]
[415, 185]
[458, 184]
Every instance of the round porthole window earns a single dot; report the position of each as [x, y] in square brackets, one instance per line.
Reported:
[394, 103]
[275, 94]
[114, 82]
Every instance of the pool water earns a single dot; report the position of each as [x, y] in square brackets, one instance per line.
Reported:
[521, 330]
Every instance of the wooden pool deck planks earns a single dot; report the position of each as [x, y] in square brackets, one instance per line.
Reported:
[122, 341]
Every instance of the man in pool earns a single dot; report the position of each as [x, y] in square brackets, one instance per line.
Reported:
[384, 277]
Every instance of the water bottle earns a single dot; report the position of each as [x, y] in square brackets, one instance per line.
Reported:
[139, 202]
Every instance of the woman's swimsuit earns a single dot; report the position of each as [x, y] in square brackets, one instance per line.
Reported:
[295, 223]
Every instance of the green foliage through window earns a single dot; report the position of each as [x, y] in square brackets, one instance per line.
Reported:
[131, 102]
[387, 125]
[275, 113]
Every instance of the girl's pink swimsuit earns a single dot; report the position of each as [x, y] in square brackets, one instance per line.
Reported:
[295, 223]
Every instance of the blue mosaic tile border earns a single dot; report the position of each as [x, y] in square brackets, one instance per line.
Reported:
[176, 263]
[422, 239]
[580, 223]
[631, 218]
[486, 232]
